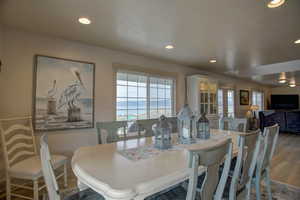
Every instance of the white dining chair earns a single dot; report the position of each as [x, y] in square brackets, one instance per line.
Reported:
[54, 193]
[145, 125]
[213, 122]
[269, 140]
[244, 169]
[21, 158]
[211, 157]
[109, 132]
[233, 124]
[211, 184]
[173, 122]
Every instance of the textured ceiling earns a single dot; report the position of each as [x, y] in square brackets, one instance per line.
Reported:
[244, 36]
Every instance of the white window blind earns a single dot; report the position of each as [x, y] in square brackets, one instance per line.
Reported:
[230, 103]
[143, 96]
[258, 99]
[220, 103]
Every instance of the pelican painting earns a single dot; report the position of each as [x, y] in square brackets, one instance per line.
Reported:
[64, 94]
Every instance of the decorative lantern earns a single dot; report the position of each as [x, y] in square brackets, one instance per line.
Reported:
[203, 130]
[162, 130]
[186, 127]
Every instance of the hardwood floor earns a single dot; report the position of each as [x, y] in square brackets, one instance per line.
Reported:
[286, 160]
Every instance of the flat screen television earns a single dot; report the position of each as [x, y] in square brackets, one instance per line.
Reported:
[285, 102]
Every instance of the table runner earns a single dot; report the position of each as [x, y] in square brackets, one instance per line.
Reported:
[148, 151]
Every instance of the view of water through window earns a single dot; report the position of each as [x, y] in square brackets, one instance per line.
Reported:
[143, 96]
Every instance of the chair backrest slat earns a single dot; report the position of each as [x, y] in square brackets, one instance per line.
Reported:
[146, 125]
[233, 124]
[20, 146]
[111, 131]
[16, 127]
[248, 145]
[214, 121]
[17, 137]
[47, 169]
[18, 141]
[173, 122]
[19, 156]
[211, 158]
[270, 137]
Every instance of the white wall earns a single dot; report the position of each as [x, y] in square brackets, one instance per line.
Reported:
[17, 75]
[16, 79]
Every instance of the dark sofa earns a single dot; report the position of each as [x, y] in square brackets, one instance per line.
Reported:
[289, 121]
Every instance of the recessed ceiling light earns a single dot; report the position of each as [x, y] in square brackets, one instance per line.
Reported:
[84, 20]
[282, 77]
[292, 82]
[213, 61]
[297, 41]
[275, 3]
[169, 46]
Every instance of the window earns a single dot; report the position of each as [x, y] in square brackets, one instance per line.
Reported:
[258, 99]
[207, 97]
[141, 96]
[220, 103]
[208, 102]
[230, 102]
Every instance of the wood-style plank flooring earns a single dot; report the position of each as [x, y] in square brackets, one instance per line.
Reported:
[286, 160]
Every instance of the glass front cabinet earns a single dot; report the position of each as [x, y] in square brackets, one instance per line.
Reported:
[202, 95]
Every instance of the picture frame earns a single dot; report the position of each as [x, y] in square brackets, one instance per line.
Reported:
[244, 97]
[63, 94]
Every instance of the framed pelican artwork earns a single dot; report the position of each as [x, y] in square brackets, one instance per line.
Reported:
[63, 94]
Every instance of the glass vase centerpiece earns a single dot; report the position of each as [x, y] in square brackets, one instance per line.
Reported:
[162, 130]
[186, 122]
[203, 129]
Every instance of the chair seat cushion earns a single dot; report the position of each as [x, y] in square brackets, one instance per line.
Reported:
[31, 168]
[87, 194]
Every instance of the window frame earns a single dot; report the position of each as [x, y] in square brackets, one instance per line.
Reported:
[220, 111]
[148, 98]
[233, 99]
[254, 100]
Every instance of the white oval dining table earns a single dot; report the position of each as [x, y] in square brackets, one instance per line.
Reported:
[106, 171]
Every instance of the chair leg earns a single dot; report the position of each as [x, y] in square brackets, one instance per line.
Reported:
[191, 193]
[35, 190]
[248, 189]
[8, 188]
[257, 187]
[268, 184]
[65, 176]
